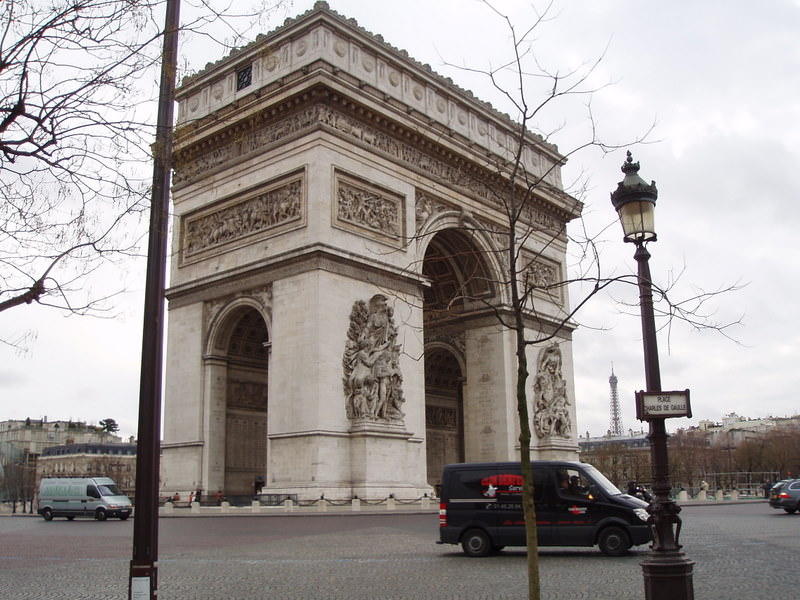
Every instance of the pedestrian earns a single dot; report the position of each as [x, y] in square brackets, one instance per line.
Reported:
[219, 497]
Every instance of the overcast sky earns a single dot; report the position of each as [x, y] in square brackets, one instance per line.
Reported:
[721, 81]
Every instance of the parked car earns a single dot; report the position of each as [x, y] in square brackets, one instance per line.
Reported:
[786, 495]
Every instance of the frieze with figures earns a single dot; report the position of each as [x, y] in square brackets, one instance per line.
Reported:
[368, 209]
[273, 209]
[541, 276]
[458, 177]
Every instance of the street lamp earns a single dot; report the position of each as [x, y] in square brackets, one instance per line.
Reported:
[143, 574]
[667, 572]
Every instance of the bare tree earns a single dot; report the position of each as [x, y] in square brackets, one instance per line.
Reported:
[77, 97]
[70, 143]
[532, 309]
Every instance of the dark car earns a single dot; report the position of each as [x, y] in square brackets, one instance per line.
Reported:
[786, 495]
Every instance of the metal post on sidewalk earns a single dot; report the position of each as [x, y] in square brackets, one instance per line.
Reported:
[143, 580]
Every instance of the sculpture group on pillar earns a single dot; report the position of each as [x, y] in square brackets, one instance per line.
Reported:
[372, 378]
[551, 413]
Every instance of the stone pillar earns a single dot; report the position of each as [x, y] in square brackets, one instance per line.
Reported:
[214, 418]
[490, 429]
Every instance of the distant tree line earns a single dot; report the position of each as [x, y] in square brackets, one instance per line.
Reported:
[694, 459]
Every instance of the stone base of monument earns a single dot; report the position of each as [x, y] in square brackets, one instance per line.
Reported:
[380, 460]
[372, 461]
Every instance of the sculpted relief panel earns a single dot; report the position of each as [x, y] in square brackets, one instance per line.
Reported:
[373, 383]
[542, 276]
[551, 414]
[270, 209]
[368, 210]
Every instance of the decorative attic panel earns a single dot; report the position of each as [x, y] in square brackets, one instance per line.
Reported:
[322, 41]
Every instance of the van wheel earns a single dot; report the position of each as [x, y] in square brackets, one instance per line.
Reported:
[71, 518]
[100, 515]
[613, 541]
[475, 542]
[123, 517]
[47, 514]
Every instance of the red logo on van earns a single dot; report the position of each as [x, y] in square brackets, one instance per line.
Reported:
[501, 485]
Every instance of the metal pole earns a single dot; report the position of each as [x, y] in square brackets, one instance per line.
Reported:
[143, 581]
[667, 572]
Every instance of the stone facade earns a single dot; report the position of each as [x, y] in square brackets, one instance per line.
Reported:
[336, 272]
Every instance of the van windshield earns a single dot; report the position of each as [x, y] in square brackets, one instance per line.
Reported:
[109, 489]
[600, 480]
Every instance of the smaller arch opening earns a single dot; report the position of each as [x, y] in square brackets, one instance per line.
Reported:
[444, 414]
[244, 341]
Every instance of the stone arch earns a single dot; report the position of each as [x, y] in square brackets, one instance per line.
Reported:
[224, 319]
[463, 274]
[456, 235]
[236, 366]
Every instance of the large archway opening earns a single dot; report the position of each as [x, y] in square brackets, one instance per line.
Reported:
[246, 404]
[460, 286]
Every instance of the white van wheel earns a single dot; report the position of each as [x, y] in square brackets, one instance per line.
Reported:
[475, 542]
[47, 514]
[100, 515]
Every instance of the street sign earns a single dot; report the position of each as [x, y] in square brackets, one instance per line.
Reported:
[661, 405]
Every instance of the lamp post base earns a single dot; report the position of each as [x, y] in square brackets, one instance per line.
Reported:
[668, 576]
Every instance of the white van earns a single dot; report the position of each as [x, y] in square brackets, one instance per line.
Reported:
[70, 497]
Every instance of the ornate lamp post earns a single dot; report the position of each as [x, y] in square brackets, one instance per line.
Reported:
[667, 572]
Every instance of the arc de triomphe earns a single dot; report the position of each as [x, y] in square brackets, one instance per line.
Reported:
[335, 269]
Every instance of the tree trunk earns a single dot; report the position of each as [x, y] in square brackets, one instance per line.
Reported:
[528, 507]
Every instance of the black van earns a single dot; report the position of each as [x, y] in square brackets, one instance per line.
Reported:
[481, 508]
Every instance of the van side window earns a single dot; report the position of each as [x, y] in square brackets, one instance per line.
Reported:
[92, 491]
[468, 485]
[572, 484]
